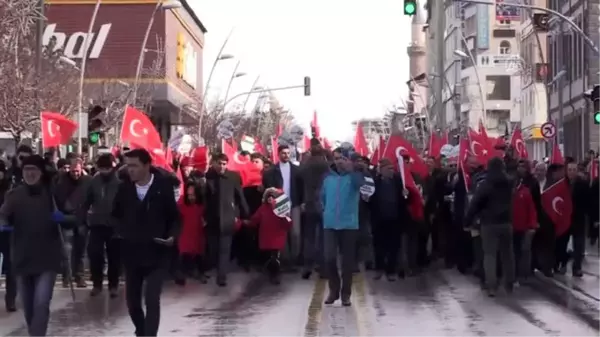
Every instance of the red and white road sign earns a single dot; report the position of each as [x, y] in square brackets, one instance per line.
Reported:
[548, 130]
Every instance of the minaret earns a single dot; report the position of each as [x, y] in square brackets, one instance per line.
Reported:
[418, 43]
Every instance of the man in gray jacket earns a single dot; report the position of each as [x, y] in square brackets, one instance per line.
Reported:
[98, 206]
[312, 173]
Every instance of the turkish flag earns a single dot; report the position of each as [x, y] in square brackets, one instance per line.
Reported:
[56, 129]
[435, 145]
[306, 144]
[251, 175]
[397, 146]
[258, 147]
[556, 157]
[516, 141]
[198, 158]
[360, 143]
[138, 129]
[557, 203]
[480, 147]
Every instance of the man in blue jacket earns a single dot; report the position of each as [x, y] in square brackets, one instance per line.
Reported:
[340, 196]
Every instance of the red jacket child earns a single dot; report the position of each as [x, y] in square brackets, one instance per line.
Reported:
[524, 213]
[272, 230]
[191, 239]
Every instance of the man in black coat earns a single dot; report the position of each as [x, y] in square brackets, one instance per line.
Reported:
[224, 206]
[147, 220]
[286, 176]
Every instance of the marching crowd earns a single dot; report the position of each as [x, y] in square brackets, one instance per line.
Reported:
[137, 219]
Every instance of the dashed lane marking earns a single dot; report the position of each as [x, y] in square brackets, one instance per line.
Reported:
[315, 309]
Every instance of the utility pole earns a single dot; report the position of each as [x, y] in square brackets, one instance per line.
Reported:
[439, 17]
[39, 50]
[560, 127]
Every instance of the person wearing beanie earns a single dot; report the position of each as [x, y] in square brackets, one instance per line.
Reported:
[30, 212]
[98, 205]
[15, 175]
[70, 192]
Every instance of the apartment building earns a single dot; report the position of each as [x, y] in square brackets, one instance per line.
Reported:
[480, 54]
[573, 69]
[534, 77]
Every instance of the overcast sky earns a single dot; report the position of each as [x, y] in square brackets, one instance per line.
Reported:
[353, 50]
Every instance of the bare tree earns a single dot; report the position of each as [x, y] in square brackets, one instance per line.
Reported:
[113, 96]
[24, 89]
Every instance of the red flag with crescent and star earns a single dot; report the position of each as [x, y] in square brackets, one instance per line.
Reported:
[396, 147]
[56, 129]
[516, 141]
[557, 203]
[138, 129]
[480, 147]
[249, 172]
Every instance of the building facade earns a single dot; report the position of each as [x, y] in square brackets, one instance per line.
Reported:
[171, 77]
[568, 53]
[534, 77]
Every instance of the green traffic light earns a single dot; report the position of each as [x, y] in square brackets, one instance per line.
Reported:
[94, 137]
[409, 8]
[597, 117]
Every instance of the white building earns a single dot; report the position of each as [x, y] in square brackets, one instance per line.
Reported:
[534, 103]
[486, 46]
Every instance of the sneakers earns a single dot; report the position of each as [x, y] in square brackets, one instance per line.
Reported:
[80, 283]
[391, 277]
[577, 273]
[346, 302]
[113, 292]
[378, 275]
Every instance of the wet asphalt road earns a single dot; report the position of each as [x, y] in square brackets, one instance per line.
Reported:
[440, 302]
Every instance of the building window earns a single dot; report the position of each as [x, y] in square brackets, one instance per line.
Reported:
[504, 48]
[498, 87]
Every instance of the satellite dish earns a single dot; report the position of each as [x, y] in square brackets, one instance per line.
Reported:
[225, 129]
[297, 133]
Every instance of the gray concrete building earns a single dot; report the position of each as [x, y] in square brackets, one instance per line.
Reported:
[572, 113]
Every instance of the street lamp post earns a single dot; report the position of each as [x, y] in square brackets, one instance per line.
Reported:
[469, 55]
[161, 4]
[86, 46]
[235, 74]
[252, 88]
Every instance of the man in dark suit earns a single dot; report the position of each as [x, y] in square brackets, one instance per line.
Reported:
[224, 206]
[286, 176]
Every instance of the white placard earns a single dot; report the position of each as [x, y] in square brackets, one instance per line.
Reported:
[282, 206]
[368, 188]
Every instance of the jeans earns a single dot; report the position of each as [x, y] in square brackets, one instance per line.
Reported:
[313, 241]
[344, 242]
[75, 247]
[522, 248]
[497, 238]
[146, 324]
[101, 239]
[36, 293]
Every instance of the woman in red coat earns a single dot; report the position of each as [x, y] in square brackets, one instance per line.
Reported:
[191, 241]
[272, 232]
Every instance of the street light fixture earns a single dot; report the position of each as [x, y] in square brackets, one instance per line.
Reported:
[461, 54]
[225, 57]
[240, 74]
[159, 5]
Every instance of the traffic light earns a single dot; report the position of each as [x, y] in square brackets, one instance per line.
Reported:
[306, 85]
[95, 124]
[410, 7]
[594, 96]
[540, 21]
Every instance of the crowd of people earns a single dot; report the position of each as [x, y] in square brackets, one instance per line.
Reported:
[150, 226]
